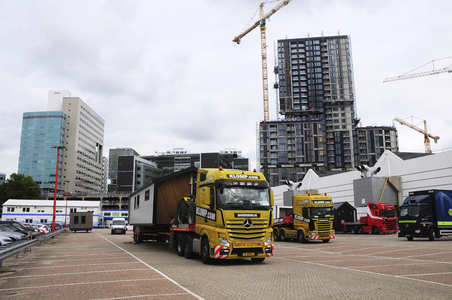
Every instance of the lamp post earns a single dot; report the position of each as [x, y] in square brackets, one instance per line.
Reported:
[67, 192]
[56, 182]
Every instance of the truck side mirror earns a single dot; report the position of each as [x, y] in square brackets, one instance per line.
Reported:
[272, 199]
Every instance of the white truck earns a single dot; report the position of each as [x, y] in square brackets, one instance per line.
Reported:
[118, 225]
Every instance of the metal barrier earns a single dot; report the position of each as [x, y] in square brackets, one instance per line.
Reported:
[45, 237]
[15, 249]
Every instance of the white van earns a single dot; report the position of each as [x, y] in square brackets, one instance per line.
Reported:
[118, 225]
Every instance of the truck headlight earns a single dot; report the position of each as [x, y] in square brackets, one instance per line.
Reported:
[268, 241]
[224, 241]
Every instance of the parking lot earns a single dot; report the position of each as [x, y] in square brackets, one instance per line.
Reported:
[98, 265]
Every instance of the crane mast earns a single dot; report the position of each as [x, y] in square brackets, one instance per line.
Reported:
[261, 23]
[427, 135]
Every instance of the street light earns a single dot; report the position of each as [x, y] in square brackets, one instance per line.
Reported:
[67, 192]
[56, 182]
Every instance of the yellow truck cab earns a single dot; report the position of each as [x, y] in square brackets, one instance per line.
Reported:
[311, 218]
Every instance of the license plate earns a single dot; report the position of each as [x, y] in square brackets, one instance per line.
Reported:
[250, 244]
[118, 230]
[248, 254]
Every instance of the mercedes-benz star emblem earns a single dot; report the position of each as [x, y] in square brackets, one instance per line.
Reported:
[247, 223]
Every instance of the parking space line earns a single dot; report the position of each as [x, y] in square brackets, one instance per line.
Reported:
[82, 265]
[141, 296]
[429, 274]
[154, 269]
[78, 283]
[75, 273]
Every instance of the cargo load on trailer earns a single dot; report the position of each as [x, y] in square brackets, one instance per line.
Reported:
[214, 213]
[381, 217]
[426, 214]
[311, 218]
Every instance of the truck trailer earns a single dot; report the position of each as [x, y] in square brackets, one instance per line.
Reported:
[311, 219]
[213, 213]
[426, 214]
[381, 218]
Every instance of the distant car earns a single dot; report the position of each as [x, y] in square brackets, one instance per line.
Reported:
[49, 225]
[4, 240]
[32, 232]
[43, 228]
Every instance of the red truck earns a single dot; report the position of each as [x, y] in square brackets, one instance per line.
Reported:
[381, 218]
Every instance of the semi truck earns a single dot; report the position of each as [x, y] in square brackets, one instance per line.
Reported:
[426, 214]
[214, 213]
[380, 217]
[311, 219]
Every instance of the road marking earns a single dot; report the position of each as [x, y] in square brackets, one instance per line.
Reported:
[152, 268]
[75, 273]
[140, 296]
[82, 265]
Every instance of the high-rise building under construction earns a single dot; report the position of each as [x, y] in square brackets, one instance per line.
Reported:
[317, 105]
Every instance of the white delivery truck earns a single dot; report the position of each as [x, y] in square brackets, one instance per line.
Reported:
[118, 225]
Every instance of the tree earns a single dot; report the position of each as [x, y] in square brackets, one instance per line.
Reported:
[19, 186]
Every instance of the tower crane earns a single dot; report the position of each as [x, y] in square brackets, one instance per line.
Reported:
[261, 23]
[414, 75]
[427, 135]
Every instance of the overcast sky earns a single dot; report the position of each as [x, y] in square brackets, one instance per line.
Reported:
[166, 74]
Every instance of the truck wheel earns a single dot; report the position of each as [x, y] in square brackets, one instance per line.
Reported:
[258, 260]
[182, 211]
[410, 238]
[431, 234]
[275, 234]
[205, 251]
[282, 235]
[353, 230]
[375, 230]
[326, 241]
[180, 245]
[188, 246]
[191, 213]
[360, 230]
[301, 237]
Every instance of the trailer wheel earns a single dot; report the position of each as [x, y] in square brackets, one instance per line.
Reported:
[375, 230]
[353, 230]
[410, 238]
[180, 245]
[431, 234]
[188, 246]
[360, 230]
[326, 241]
[205, 251]
[275, 234]
[282, 235]
[301, 237]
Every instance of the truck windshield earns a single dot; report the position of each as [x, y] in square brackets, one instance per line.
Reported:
[321, 212]
[243, 197]
[409, 211]
[118, 222]
[388, 213]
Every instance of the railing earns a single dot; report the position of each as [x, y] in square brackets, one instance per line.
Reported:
[6, 251]
[45, 237]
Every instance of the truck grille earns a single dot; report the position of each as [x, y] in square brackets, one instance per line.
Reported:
[237, 231]
[391, 225]
[323, 226]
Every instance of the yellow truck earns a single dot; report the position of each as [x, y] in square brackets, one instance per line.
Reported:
[224, 214]
[309, 218]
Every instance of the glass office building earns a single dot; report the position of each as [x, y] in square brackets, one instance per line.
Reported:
[40, 132]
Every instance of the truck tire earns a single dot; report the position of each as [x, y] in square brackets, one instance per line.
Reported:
[375, 230]
[182, 211]
[353, 230]
[326, 241]
[275, 234]
[360, 230]
[191, 217]
[301, 237]
[410, 238]
[205, 251]
[431, 234]
[180, 245]
[282, 235]
[188, 246]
